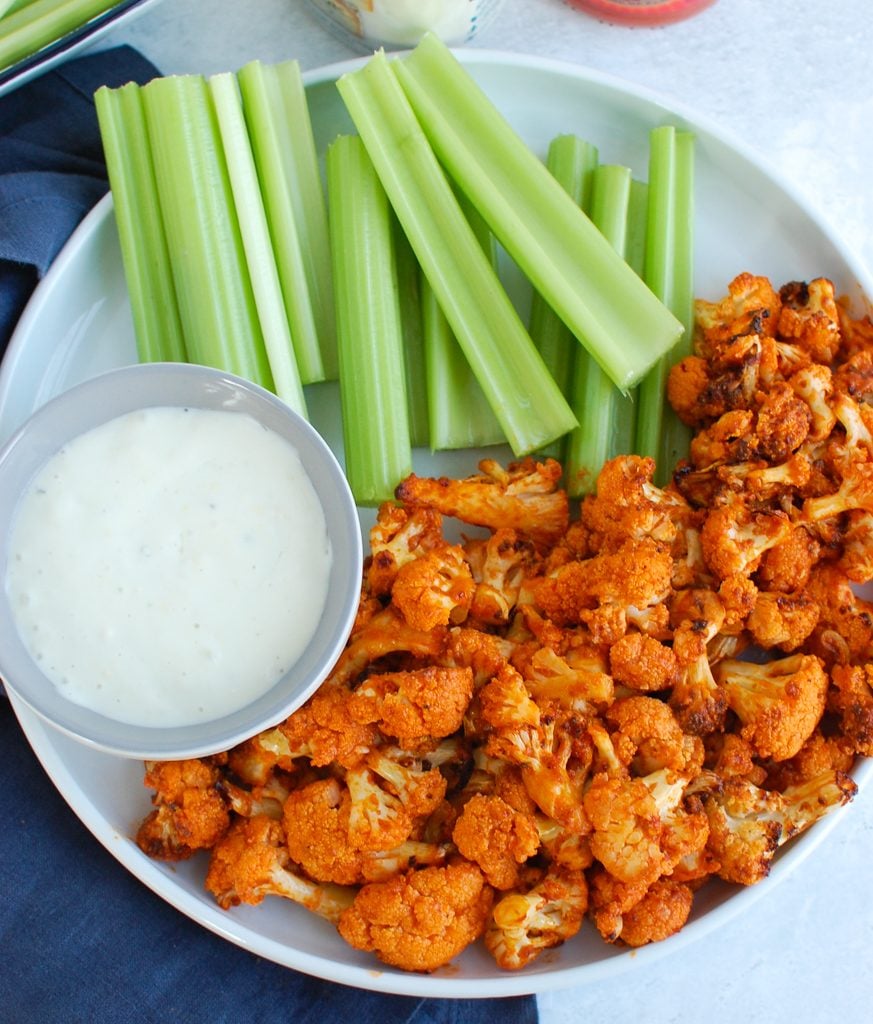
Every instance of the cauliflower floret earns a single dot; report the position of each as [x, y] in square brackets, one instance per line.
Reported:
[814, 384]
[699, 703]
[734, 537]
[499, 564]
[779, 703]
[782, 423]
[854, 492]
[386, 632]
[643, 663]
[190, 811]
[628, 506]
[420, 920]
[782, 620]
[434, 589]
[786, 567]
[324, 731]
[496, 837]
[856, 558]
[751, 306]
[656, 735]
[661, 912]
[851, 698]
[414, 704]
[609, 590]
[252, 862]
[844, 632]
[748, 824]
[729, 440]
[524, 497]
[627, 828]
[524, 924]
[809, 318]
[579, 685]
[397, 537]
[316, 818]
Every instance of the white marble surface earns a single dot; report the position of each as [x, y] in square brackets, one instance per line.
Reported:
[794, 79]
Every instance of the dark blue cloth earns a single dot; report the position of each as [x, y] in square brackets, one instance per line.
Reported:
[81, 940]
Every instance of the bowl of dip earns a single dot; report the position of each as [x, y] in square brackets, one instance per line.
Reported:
[181, 559]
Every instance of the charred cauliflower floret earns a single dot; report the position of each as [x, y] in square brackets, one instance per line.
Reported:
[735, 538]
[252, 862]
[643, 663]
[779, 702]
[851, 698]
[420, 920]
[523, 497]
[190, 811]
[398, 537]
[661, 912]
[782, 620]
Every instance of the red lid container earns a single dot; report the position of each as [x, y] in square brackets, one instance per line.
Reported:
[641, 12]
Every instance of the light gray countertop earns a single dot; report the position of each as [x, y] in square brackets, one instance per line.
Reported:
[794, 80]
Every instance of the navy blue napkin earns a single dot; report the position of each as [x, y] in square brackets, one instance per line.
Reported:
[82, 940]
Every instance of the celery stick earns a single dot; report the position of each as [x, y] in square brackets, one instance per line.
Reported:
[571, 161]
[668, 272]
[216, 302]
[30, 28]
[525, 399]
[255, 233]
[635, 238]
[567, 260]
[284, 150]
[409, 294]
[8, 7]
[144, 253]
[378, 450]
[460, 416]
[602, 410]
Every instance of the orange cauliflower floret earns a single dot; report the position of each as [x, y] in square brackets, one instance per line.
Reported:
[496, 837]
[809, 318]
[779, 703]
[190, 812]
[751, 306]
[526, 923]
[844, 632]
[609, 591]
[252, 862]
[421, 920]
[642, 663]
[748, 824]
[851, 698]
[787, 566]
[628, 506]
[500, 565]
[627, 828]
[324, 730]
[434, 589]
[577, 682]
[782, 424]
[524, 497]
[398, 536]
[651, 727]
[782, 620]
[316, 820]
[661, 912]
[414, 704]
[734, 538]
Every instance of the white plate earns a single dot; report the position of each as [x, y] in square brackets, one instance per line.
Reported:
[72, 44]
[78, 323]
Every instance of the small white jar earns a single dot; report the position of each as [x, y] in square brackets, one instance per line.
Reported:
[397, 24]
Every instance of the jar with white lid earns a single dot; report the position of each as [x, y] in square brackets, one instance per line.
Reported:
[397, 24]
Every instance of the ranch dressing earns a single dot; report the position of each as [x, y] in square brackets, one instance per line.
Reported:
[169, 566]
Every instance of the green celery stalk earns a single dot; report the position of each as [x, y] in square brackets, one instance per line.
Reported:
[284, 149]
[376, 440]
[257, 245]
[460, 416]
[411, 323]
[24, 30]
[525, 399]
[669, 273]
[604, 412]
[602, 301]
[144, 253]
[571, 161]
[8, 7]
[635, 239]
[213, 288]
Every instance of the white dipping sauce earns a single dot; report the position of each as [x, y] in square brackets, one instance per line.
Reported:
[170, 565]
